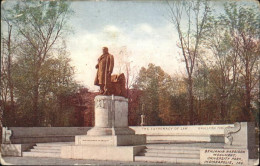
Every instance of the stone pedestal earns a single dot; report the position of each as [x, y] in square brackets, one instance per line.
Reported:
[111, 124]
[111, 116]
[111, 135]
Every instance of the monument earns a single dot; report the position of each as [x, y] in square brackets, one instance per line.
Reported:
[109, 84]
[110, 138]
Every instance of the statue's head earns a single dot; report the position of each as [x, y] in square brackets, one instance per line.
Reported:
[105, 50]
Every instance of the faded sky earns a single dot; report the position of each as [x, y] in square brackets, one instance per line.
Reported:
[140, 27]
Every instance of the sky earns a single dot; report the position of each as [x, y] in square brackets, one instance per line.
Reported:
[140, 28]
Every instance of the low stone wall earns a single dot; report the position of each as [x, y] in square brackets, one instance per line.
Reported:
[23, 135]
[182, 130]
[192, 133]
[196, 133]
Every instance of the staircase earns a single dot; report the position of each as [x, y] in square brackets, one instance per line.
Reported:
[173, 153]
[46, 149]
[179, 153]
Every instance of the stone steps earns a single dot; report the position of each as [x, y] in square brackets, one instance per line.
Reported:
[167, 160]
[190, 145]
[170, 154]
[187, 155]
[41, 154]
[185, 151]
[172, 147]
[46, 149]
[54, 144]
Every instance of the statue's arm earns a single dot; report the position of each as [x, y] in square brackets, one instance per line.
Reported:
[97, 63]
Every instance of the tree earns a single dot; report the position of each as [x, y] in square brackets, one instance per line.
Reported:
[223, 64]
[244, 27]
[56, 85]
[135, 109]
[7, 52]
[40, 70]
[155, 85]
[178, 102]
[41, 24]
[230, 62]
[190, 35]
[124, 66]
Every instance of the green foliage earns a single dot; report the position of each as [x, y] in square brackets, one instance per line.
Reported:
[41, 70]
[232, 40]
[56, 84]
[224, 75]
[242, 19]
[243, 24]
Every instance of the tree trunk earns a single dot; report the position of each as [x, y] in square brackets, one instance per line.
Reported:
[190, 94]
[127, 81]
[9, 76]
[223, 110]
[247, 108]
[247, 116]
[36, 100]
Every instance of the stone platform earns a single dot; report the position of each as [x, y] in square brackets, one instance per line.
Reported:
[111, 138]
[195, 154]
[114, 153]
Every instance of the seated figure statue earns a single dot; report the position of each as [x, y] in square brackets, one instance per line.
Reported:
[118, 85]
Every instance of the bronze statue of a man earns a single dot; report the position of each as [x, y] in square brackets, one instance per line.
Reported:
[105, 68]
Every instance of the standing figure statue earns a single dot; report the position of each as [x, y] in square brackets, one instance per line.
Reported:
[104, 70]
